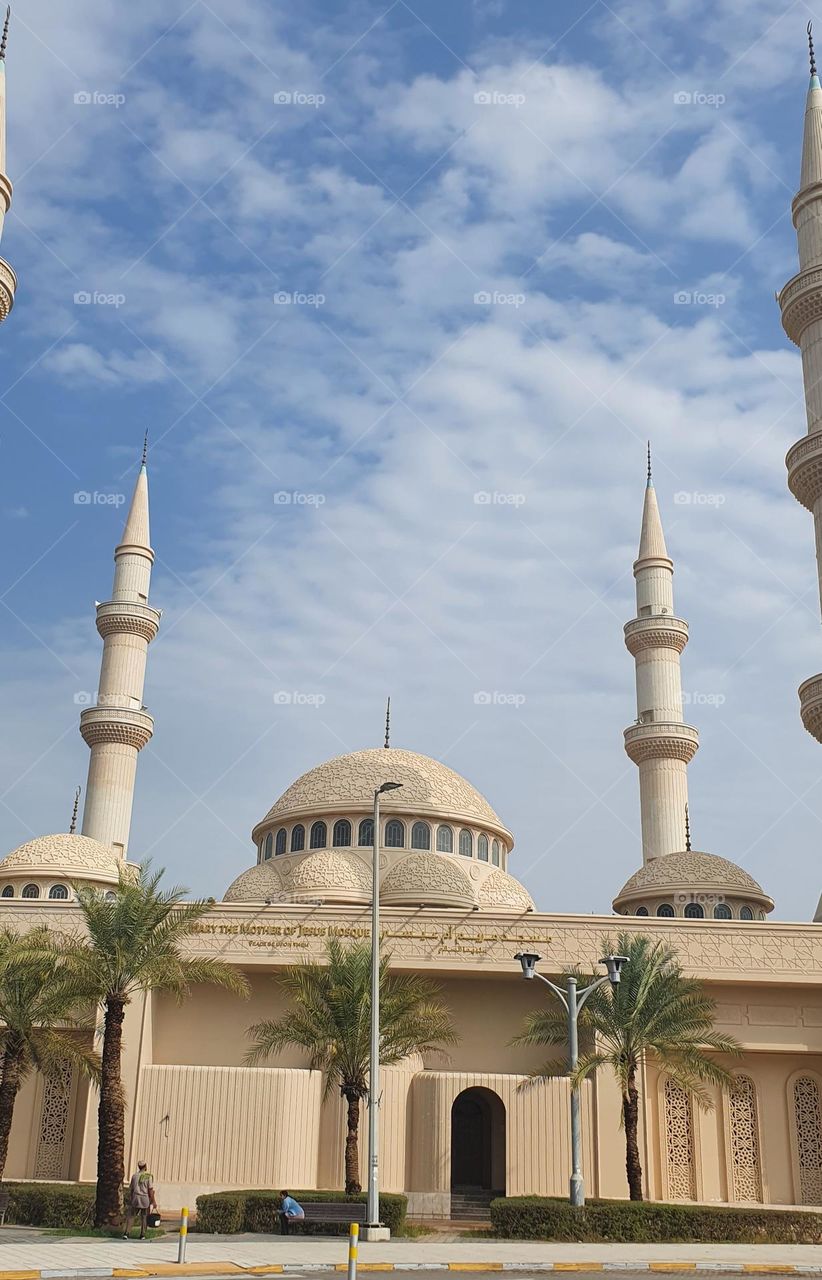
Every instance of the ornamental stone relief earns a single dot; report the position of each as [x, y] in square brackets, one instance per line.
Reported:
[328, 869]
[258, 883]
[746, 1172]
[427, 873]
[501, 890]
[679, 1141]
[808, 1131]
[51, 1141]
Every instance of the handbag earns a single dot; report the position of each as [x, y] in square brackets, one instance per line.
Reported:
[153, 1219]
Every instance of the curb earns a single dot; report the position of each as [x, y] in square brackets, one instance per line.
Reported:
[233, 1268]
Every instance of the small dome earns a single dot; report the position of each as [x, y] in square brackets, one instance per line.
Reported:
[349, 782]
[692, 872]
[427, 879]
[77, 857]
[330, 875]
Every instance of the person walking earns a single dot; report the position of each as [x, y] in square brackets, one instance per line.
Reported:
[290, 1212]
[141, 1198]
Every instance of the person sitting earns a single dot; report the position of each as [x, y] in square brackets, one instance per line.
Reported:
[290, 1212]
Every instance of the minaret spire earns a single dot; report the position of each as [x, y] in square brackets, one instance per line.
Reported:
[8, 280]
[387, 724]
[659, 742]
[73, 823]
[687, 831]
[119, 726]
[145, 449]
[801, 305]
[650, 477]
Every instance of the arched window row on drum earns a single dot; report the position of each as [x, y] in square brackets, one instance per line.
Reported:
[347, 833]
[696, 911]
[57, 892]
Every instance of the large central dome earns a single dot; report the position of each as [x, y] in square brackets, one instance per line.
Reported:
[428, 786]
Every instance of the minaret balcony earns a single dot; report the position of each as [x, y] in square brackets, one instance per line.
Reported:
[804, 463]
[5, 191]
[810, 706]
[801, 302]
[123, 617]
[8, 288]
[660, 631]
[661, 740]
[116, 724]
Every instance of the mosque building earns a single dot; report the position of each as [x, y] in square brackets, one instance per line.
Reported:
[456, 1129]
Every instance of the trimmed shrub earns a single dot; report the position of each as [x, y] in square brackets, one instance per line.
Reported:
[645, 1222]
[227, 1212]
[46, 1204]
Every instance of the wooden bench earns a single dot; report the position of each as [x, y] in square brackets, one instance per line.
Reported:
[333, 1211]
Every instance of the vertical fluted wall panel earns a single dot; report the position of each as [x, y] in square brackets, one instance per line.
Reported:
[123, 670]
[654, 590]
[663, 794]
[659, 683]
[110, 789]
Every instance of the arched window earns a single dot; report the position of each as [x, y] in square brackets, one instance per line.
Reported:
[110, 895]
[743, 1133]
[722, 911]
[679, 1135]
[280, 846]
[482, 848]
[58, 891]
[445, 840]
[420, 836]
[366, 833]
[268, 848]
[466, 844]
[807, 1132]
[297, 838]
[8, 891]
[319, 835]
[642, 911]
[394, 834]
[495, 853]
[745, 913]
[30, 891]
[665, 910]
[693, 911]
[342, 833]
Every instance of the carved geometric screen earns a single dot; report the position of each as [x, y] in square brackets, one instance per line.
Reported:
[808, 1123]
[679, 1140]
[746, 1172]
[54, 1122]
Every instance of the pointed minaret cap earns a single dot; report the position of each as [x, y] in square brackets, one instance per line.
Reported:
[136, 534]
[812, 141]
[651, 539]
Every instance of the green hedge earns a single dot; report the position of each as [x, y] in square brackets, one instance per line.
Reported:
[46, 1204]
[227, 1212]
[643, 1222]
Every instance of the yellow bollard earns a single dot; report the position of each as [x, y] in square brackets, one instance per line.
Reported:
[353, 1238]
[181, 1248]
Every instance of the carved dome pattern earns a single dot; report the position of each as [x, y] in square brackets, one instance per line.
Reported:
[65, 852]
[331, 869]
[256, 884]
[501, 890]
[425, 875]
[692, 868]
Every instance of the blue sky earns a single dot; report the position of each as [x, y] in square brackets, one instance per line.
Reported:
[483, 219]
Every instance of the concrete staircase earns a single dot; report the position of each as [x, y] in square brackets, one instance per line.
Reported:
[472, 1204]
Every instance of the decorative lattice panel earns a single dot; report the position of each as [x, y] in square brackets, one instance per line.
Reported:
[746, 1171]
[808, 1122]
[54, 1120]
[679, 1141]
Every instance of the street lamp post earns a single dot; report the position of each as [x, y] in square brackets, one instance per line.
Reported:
[573, 1000]
[373, 1213]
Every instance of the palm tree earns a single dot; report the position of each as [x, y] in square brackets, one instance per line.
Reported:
[133, 942]
[38, 1013]
[330, 1018]
[654, 1012]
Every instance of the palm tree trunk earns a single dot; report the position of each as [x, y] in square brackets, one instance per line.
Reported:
[10, 1081]
[352, 1143]
[108, 1209]
[630, 1116]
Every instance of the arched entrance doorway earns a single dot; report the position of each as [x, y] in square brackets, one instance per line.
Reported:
[477, 1149]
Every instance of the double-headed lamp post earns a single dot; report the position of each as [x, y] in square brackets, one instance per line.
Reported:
[573, 1000]
[374, 1072]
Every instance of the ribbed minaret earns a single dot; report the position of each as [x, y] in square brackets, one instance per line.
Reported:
[119, 726]
[659, 742]
[8, 280]
[801, 305]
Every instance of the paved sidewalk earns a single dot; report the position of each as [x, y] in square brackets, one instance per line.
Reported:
[210, 1255]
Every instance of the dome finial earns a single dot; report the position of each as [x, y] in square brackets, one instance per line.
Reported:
[387, 744]
[4, 39]
[810, 48]
[145, 448]
[649, 463]
[73, 823]
[687, 831]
